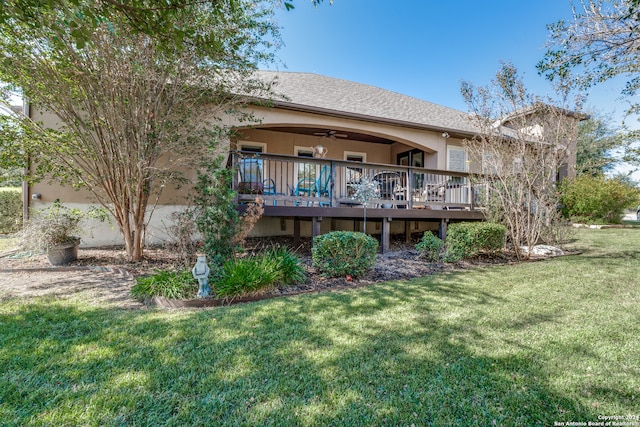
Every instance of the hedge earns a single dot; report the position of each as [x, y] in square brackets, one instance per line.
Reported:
[596, 199]
[341, 253]
[10, 210]
[467, 239]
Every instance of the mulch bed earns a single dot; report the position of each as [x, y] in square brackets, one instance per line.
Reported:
[402, 262]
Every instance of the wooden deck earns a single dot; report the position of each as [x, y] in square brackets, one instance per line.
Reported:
[316, 190]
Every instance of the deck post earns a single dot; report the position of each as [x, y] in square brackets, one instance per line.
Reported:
[442, 232]
[332, 185]
[235, 158]
[315, 226]
[296, 231]
[386, 232]
[409, 189]
[407, 231]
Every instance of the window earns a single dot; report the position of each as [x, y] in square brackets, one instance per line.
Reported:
[252, 147]
[489, 164]
[352, 175]
[456, 159]
[518, 165]
[251, 168]
[306, 172]
[304, 169]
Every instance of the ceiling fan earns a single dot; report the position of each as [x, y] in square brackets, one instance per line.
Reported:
[331, 134]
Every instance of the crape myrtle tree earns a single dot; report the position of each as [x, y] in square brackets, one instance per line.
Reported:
[136, 104]
[522, 144]
[600, 43]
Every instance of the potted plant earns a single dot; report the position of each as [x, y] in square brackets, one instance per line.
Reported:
[55, 230]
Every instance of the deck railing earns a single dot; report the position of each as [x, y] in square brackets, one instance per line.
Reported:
[282, 180]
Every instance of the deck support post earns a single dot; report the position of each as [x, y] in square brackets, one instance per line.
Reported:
[407, 231]
[442, 232]
[386, 234]
[315, 226]
[296, 231]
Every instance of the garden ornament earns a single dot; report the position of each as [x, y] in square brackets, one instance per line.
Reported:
[201, 272]
[319, 151]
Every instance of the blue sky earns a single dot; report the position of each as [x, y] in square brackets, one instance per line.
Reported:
[425, 48]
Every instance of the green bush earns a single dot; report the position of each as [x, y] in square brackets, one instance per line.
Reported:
[596, 199]
[255, 274]
[431, 247]
[342, 253]
[168, 284]
[467, 239]
[289, 266]
[10, 210]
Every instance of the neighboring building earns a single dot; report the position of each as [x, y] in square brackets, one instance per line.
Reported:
[314, 145]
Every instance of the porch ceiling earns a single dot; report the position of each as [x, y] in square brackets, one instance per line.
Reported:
[351, 136]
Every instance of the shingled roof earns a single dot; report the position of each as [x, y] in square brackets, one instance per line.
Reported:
[328, 95]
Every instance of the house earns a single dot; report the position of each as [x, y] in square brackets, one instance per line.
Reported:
[316, 143]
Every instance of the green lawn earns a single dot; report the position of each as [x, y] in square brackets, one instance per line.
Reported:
[531, 344]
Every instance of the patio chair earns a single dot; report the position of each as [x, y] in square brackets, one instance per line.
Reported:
[250, 170]
[324, 184]
[390, 186]
[269, 188]
[306, 186]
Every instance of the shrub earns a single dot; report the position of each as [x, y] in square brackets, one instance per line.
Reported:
[168, 284]
[10, 210]
[56, 225]
[288, 265]
[181, 230]
[467, 239]
[256, 274]
[596, 199]
[431, 247]
[342, 253]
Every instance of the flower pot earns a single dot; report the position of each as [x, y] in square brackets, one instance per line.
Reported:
[63, 253]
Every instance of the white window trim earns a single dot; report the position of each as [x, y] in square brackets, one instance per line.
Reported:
[242, 144]
[296, 152]
[344, 189]
[355, 153]
[298, 148]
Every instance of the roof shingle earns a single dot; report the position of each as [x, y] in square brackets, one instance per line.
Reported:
[351, 98]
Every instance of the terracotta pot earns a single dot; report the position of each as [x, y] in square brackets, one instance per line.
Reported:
[64, 253]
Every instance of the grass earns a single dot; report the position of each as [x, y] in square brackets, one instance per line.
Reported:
[525, 345]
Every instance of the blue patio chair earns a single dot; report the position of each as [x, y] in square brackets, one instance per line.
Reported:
[269, 188]
[324, 184]
[306, 187]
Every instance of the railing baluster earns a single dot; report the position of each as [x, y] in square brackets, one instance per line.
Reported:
[408, 186]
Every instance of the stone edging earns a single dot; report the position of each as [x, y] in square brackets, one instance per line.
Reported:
[163, 302]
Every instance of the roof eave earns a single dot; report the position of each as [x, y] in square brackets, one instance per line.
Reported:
[372, 119]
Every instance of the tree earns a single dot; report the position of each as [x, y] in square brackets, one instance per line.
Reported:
[521, 144]
[160, 20]
[601, 43]
[598, 145]
[134, 108]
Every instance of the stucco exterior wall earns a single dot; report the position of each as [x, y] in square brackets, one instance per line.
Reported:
[172, 199]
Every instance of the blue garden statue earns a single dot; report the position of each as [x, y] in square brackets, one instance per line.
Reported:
[201, 272]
